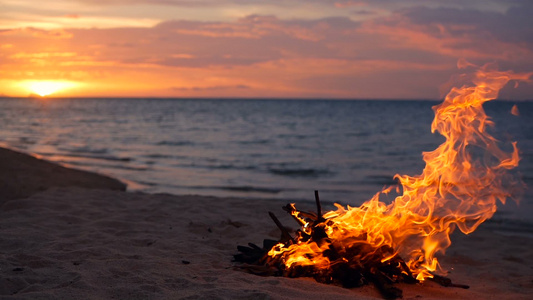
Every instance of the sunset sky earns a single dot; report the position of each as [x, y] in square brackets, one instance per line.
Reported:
[251, 48]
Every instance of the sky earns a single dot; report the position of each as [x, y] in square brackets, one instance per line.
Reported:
[369, 49]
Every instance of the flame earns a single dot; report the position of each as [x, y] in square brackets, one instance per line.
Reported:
[459, 188]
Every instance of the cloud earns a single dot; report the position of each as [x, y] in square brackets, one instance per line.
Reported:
[210, 88]
[247, 41]
[39, 33]
[459, 33]
[350, 3]
[408, 52]
[188, 3]
[23, 55]
[513, 26]
[258, 26]
[364, 12]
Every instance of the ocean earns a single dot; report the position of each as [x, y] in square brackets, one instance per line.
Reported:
[252, 148]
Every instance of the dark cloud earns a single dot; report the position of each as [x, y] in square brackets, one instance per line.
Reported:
[513, 26]
[364, 12]
[185, 3]
[418, 35]
[251, 40]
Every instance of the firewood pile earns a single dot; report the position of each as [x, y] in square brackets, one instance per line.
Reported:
[350, 266]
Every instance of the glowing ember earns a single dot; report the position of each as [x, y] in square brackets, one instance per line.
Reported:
[459, 187]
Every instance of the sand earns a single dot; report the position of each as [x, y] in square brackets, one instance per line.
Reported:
[93, 242]
[23, 175]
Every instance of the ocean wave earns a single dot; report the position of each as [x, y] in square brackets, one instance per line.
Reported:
[97, 165]
[379, 180]
[246, 189]
[230, 188]
[84, 149]
[232, 167]
[132, 168]
[147, 183]
[27, 140]
[164, 156]
[214, 166]
[254, 142]
[300, 172]
[295, 136]
[175, 143]
[101, 157]
[358, 134]
[347, 157]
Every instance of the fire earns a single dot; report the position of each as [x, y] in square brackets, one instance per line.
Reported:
[459, 188]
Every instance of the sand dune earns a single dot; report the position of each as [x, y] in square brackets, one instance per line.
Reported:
[71, 242]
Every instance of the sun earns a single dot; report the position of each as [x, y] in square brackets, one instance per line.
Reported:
[49, 87]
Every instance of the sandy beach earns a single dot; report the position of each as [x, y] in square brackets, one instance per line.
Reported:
[67, 234]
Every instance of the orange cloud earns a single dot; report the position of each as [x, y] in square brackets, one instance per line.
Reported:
[344, 4]
[398, 55]
[210, 88]
[40, 33]
[42, 55]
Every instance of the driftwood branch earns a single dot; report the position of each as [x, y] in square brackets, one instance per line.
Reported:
[447, 282]
[285, 235]
[318, 207]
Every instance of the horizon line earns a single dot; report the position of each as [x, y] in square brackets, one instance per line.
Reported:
[234, 98]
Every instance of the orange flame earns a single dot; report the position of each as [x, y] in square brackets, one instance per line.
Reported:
[459, 187]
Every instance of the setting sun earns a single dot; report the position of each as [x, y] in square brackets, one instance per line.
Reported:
[45, 88]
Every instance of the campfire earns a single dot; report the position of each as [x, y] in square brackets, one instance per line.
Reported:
[383, 244]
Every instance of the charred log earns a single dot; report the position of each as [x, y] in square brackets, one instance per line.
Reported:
[349, 266]
[285, 235]
[447, 282]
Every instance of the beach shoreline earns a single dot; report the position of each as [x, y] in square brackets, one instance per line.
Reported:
[22, 175]
[70, 241]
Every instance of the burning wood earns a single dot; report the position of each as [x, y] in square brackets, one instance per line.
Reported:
[397, 242]
[352, 266]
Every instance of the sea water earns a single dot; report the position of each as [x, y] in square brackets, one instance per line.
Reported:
[284, 149]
